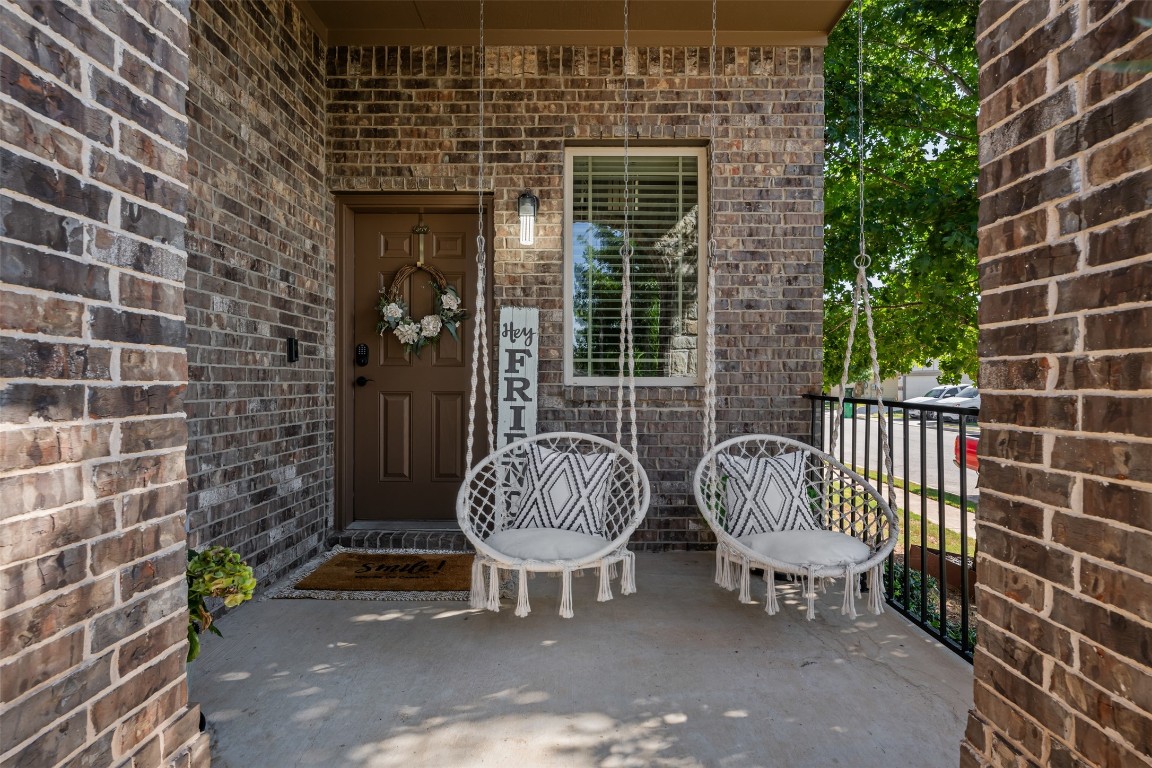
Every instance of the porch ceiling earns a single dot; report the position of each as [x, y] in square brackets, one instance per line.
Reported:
[572, 22]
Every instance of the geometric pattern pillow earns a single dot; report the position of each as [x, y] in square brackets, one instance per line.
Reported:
[765, 494]
[564, 490]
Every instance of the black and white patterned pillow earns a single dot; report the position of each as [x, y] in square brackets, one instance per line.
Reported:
[765, 494]
[564, 490]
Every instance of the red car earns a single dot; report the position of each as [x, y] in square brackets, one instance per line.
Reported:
[971, 460]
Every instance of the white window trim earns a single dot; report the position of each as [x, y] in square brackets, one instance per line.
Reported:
[703, 179]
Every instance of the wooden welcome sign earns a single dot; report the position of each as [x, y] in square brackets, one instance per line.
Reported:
[517, 365]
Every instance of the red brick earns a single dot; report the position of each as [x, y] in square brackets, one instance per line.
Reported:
[1032, 700]
[1122, 503]
[1103, 457]
[1122, 329]
[44, 662]
[1120, 676]
[1018, 586]
[29, 537]
[1012, 723]
[1121, 589]
[33, 359]
[137, 689]
[153, 434]
[28, 626]
[37, 491]
[1126, 240]
[1040, 485]
[1031, 555]
[1131, 371]
[38, 314]
[1029, 339]
[154, 503]
[134, 543]
[23, 129]
[153, 365]
[1039, 632]
[57, 701]
[24, 582]
[115, 477]
[1037, 412]
[1112, 630]
[44, 446]
[127, 620]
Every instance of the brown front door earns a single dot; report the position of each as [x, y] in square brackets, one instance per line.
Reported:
[410, 418]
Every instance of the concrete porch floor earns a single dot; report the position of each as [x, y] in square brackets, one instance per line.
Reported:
[678, 675]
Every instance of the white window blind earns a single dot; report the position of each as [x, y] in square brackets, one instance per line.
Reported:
[664, 198]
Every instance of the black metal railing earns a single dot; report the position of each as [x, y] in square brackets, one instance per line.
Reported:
[931, 576]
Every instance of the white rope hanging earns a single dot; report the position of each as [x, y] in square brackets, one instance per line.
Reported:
[860, 294]
[480, 320]
[627, 362]
[712, 253]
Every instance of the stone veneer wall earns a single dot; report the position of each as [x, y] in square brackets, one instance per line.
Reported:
[92, 377]
[405, 119]
[260, 269]
[1064, 662]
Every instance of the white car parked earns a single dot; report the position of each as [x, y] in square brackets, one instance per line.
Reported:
[932, 396]
[965, 398]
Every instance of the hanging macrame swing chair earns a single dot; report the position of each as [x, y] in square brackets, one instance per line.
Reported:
[782, 505]
[558, 502]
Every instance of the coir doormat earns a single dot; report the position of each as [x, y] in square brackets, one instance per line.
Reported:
[374, 574]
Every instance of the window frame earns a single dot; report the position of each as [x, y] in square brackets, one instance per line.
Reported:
[703, 178]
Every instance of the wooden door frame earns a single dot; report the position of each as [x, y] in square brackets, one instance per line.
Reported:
[347, 206]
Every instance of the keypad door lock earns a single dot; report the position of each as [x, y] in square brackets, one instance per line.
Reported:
[361, 354]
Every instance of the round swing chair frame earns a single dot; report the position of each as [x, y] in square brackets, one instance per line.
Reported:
[557, 502]
[782, 505]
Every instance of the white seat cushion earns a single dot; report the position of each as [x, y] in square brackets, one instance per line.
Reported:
[545, 543]
[808, 547]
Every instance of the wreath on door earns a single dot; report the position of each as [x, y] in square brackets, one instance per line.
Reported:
[417, 334]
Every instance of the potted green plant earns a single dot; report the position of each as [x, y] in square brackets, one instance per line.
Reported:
[215, 572]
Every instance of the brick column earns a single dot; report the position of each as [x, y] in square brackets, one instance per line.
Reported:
[1064, 662]
[92, 376]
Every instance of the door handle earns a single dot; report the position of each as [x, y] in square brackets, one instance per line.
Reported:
[362, 381]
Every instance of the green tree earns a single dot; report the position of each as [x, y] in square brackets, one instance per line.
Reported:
[920, 143]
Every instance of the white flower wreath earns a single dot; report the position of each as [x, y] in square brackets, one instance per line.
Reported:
[413, 334]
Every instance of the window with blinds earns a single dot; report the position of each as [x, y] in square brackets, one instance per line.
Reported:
[664, 197]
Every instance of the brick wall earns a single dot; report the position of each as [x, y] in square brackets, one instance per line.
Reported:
[1064, 665]
[260, 269]
[404, 119]
[92, 377]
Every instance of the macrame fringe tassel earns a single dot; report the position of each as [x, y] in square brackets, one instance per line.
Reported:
[605, 593]
[477, 598]
[722, 567]
[522, 606]
[771, 604]
[745, 581]
[848, 607]
[875, 590]
[493, 588]
[566, 595]
[628, 580]
[811, 593]
[612, 570]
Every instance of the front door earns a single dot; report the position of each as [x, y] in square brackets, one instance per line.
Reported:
[410, 415]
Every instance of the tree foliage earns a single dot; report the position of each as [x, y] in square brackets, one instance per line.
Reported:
[920, 148]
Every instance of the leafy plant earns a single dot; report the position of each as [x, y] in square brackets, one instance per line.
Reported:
[216, 572]
[920, 146]
[917, 584]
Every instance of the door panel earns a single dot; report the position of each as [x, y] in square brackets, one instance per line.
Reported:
[409, 420]
[395, 436]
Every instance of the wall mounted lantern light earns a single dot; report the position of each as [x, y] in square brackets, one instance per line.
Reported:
[527, 205]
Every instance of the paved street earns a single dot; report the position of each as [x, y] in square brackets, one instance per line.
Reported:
[924, 445]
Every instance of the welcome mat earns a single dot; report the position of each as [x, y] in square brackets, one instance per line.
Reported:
[381, 574]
